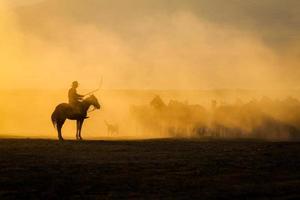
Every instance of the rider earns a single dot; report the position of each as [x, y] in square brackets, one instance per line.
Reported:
[74, 98]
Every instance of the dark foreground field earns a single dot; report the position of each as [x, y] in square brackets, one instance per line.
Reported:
[153, 169]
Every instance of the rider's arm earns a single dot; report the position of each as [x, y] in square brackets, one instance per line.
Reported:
[79, 96]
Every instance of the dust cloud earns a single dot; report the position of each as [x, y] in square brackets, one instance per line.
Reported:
[43, 50]
[262, 118]
[192, 52]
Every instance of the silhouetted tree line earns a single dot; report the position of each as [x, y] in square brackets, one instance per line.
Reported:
[264, 118]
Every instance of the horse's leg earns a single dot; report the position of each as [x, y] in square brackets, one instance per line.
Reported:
[80, 127]
[77, 129]
[59, 127]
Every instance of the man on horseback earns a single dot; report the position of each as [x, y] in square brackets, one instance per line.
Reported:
[75, 99]
[76, 109]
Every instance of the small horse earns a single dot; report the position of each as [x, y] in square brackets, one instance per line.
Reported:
[66, 111]
[111, 128]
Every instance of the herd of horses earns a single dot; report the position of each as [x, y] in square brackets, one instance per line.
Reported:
[263, 119]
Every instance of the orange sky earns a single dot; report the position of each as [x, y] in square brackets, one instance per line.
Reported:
[144, 45]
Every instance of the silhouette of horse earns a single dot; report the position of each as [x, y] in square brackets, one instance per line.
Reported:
[66, 111]
[112, 128]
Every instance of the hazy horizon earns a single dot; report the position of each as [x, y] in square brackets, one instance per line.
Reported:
[26, 113]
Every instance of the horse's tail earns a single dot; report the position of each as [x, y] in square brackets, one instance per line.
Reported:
[53, 119]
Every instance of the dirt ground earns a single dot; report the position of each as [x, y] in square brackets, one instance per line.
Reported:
[150, 169]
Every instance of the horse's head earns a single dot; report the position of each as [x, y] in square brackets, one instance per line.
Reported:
[93, 101]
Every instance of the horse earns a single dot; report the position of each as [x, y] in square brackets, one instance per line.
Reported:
[111, 128]
[65, 111]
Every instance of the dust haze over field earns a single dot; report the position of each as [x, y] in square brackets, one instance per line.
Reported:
[245, 114]
[134, 44]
